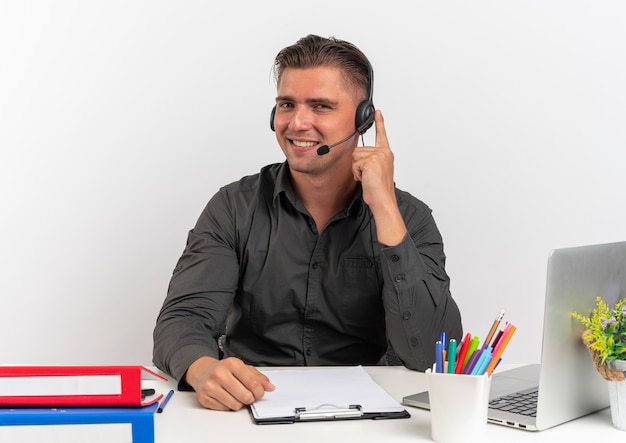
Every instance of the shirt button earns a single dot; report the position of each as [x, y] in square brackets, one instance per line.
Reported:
[413, 342]
[406, 315]
[395, 258]
[369, 263]
[315, 265]
[399, 278]
[308, 352]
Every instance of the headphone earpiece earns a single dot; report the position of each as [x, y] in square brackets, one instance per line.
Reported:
[272, 115]
[364, 116]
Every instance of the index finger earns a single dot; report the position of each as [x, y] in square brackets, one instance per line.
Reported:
[381, 133]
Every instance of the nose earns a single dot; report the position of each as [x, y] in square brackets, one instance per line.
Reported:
[300, 119]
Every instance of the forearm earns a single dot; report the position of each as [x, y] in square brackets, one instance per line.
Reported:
[191, 319]
[188, 326]
[390, 227]
[177, 344]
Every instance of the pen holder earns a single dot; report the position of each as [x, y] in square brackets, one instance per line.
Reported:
[458, 406]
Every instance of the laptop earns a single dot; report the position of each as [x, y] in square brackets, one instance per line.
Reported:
[566, 385]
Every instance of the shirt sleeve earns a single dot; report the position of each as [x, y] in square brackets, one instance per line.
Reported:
[200, 294]
[416, 292]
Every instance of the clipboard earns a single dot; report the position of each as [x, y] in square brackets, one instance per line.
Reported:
[324, 394]
[352, 412]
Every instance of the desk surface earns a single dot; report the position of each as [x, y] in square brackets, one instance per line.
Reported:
[184, 421]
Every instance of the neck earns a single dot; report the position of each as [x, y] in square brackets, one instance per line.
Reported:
[323, 196]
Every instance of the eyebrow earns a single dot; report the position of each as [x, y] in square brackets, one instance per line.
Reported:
[324, 101]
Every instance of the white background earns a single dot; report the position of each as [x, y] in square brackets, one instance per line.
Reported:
[120, 119]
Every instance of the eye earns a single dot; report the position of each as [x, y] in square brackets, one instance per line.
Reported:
[323, 106]
[285, 105]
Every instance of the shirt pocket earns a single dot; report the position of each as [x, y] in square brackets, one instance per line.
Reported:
[361, 282]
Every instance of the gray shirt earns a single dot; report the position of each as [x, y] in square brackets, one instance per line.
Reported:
[256, 269]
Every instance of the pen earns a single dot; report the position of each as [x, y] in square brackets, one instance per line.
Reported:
[498, 335]
[146, 393]
[492, 331]
[472, 362]
[497, 353]
[452, 356]
[164, 402]
[483, 361]
[438, 356]
[462, 353]
[470, 351]
[444, 343]
[501, 339]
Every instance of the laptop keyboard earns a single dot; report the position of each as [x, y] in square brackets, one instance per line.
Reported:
[524, 402]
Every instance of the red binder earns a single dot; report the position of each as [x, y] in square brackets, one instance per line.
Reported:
[67, 386]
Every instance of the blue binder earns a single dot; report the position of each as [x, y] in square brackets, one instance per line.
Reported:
[141, 419]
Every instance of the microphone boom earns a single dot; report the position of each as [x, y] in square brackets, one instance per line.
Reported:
[325, 149]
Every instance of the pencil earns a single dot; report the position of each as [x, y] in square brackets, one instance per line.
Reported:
[492, 331]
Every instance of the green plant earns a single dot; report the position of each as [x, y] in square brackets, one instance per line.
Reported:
[605, 331]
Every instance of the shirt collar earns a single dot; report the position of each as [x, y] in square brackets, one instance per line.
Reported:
[283, 186]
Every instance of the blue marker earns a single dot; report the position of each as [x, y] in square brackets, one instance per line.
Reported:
[444, 340]
[482, 362]
[439, 357]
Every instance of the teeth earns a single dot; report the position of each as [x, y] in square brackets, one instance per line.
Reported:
[304, 144]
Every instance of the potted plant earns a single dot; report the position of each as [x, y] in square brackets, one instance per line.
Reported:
[605, 337]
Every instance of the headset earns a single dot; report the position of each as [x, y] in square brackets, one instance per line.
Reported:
[363, 120]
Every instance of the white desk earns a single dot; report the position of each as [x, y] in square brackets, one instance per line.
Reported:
[184, 421]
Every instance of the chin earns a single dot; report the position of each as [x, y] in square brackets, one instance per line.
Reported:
[302, 166]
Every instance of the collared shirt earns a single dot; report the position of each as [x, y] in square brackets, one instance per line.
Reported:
[256, 269]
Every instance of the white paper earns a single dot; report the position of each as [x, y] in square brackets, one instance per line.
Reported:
[316, 388]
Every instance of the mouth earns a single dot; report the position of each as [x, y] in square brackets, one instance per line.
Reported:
[303, 147]
[303, 143]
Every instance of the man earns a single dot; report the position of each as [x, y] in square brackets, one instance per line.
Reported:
[316, 261]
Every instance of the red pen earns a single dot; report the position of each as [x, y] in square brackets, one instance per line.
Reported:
[463, 351]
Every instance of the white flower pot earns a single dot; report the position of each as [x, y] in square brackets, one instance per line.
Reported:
[617, 397]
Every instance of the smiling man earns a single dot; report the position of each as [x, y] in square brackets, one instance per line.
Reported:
[319, 260]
